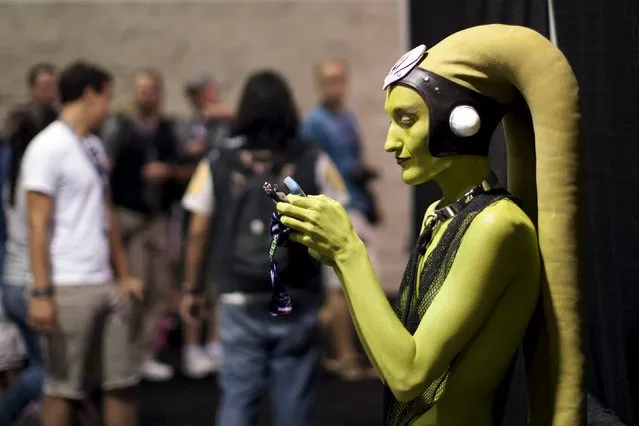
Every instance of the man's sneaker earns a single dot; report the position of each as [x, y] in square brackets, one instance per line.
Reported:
[197, 364]
[154, 371]
[214, 352]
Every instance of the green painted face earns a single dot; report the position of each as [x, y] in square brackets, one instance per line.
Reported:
[408, 134]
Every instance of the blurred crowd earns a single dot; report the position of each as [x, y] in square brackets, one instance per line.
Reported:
[122, 223]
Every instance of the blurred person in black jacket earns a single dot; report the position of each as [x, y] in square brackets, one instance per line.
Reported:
[42, 82]
[147, 178]
[25, 386]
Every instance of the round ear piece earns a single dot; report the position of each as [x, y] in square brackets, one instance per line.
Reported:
[464, 121]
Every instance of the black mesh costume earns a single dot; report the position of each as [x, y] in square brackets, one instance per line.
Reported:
[434, 272]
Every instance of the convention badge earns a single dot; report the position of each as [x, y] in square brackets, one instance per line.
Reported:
[405, 65]
[199, 131]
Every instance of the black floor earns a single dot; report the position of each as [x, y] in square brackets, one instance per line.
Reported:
[184, 402]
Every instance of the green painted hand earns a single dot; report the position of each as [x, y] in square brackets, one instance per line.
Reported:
[321, 224]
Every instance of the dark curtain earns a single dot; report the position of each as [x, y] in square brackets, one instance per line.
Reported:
[429, 23]
[601, 40]
[432, 21]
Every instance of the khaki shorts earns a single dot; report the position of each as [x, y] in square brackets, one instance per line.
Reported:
[145, 240]
[93, 341]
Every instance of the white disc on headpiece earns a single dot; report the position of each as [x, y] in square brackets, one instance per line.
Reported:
[464, 121]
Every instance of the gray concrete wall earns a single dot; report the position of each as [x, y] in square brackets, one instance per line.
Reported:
[231, 39]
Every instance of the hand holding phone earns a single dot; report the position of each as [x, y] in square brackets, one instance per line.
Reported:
[277, 196]
[281, 300]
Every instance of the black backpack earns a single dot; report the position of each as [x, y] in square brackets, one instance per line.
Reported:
[240, 230]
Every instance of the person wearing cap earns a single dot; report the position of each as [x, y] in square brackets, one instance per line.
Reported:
[210, 122]
[209, 127]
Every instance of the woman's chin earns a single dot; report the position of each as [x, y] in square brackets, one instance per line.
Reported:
[410, 176]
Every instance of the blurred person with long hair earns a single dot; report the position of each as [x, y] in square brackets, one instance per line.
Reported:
[229, 232]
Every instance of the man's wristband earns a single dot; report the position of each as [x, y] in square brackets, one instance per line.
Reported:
[42, 293]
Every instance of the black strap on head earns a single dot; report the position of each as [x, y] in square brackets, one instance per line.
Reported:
[443, 97]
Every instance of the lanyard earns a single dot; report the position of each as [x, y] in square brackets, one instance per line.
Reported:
[280, 300]
[92, 154]
[99, 168]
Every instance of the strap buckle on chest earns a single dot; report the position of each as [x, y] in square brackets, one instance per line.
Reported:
[455, 207]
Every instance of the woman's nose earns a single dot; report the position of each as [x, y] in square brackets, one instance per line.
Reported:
[393, 143]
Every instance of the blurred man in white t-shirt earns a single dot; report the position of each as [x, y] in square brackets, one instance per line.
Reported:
[76, 255]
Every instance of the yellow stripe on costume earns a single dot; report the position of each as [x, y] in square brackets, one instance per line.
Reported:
[333, 178]
[201, 176]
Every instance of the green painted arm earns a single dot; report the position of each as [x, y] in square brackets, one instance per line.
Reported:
[408, 364]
